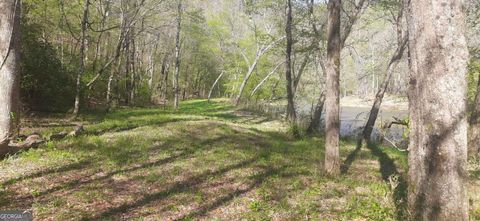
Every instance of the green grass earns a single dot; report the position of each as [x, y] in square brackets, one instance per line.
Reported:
[205, 161]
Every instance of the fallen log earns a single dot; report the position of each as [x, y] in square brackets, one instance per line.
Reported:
[34, 140]
[13, 147]
[78, 131]
[58, 136]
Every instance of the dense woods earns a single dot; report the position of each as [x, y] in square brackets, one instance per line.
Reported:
[318, 93]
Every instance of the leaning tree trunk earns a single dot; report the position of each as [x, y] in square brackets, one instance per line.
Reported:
[214, 84]
[317, 114]
[259, 85]
[10, 47]
[177, 56]
[252, 66]
[438, 126]
[83, 49]
[332, 113]
[367, 130]
[291, 115]
[245, 80]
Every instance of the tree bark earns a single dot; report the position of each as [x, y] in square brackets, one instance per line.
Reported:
[291, 115]
[438, 123]
[10, 47]
[177, 56]
[332, 113]
[83, 49]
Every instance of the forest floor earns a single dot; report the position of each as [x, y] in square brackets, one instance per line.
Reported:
[207, 161]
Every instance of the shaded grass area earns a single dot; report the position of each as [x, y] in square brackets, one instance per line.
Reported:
[206, 161]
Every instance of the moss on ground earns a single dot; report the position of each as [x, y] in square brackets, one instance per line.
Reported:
[205, 161]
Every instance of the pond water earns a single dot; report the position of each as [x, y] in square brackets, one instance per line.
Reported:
[353, 120]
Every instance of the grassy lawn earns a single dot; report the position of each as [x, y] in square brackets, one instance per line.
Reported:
[207, 161]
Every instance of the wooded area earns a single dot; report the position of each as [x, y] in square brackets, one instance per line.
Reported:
[240, 109]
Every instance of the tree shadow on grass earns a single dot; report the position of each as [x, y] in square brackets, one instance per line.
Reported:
[115, 128]
[176, 188]
[256, 181]
[389, 173]
[397, 181]
[198, 139]
[197, 144]
[350, 158]
[77, 183]
[62, 169]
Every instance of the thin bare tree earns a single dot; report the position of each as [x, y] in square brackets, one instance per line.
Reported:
[177, 56]
[83, 48]
[291, 115]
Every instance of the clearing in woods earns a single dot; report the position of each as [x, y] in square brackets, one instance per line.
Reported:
[206, 161]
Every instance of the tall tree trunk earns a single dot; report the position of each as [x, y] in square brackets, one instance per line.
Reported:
[164, 77]
[367, 130]
[214, 84]
[177, 56]
[438, 123]
[10, 47]
[165, 82]
[133, 70]
[291, 115]
[128, 81]
[116, 61]
[332, 115]
[474, 132]
[83, 39]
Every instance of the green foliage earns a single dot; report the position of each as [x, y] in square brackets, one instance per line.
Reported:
[368, 208]
[46, 84]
